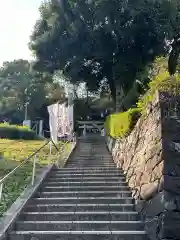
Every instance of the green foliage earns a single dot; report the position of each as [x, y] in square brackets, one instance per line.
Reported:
[14, 187]
[120, 124]
[93, 40]
[12, 153]
[162, 82]
[8, 131]
[20, 85]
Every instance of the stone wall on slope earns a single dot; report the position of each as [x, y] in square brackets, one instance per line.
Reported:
[150, 158]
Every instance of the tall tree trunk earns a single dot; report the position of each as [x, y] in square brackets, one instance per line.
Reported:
[109, 75]
[87, 96]
[119, 98]
[117, 94]
[113, 90]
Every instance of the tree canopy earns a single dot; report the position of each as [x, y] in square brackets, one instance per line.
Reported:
[19, 85]
[104, 39]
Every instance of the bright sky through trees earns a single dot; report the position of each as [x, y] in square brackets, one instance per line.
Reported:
[17, 18]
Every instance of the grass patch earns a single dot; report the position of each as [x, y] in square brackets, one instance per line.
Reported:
[12, 153]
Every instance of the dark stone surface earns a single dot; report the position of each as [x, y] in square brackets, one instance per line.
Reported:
[152, 228]
[171, 225]
[154, 206]
[172, 184]
[78, 237]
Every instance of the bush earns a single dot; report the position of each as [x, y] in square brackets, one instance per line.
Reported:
[162, 82]
[120, 124]
[8, 131]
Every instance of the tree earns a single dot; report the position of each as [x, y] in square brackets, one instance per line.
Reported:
[19, 85]
[106, 39]
[174, 55]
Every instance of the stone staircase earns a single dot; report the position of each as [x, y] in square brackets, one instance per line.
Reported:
[87, 200]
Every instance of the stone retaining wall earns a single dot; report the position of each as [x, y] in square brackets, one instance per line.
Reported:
[150, 158]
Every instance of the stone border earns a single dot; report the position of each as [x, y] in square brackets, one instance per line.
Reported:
[7, 221]
[73, 147]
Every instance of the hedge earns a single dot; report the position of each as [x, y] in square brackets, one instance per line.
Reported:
[8, 131]
[161, 82]
[120, 124]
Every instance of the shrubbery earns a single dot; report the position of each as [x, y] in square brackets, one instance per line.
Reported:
[120, 124]
[163, 82]
[8, 131]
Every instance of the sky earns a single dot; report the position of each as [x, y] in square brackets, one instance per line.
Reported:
[17, 18]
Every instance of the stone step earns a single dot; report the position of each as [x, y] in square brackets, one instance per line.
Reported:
[85, 194]
[93, 160]
[76, 200]
[79, 207]
[85, 171]
[93, 174]
[85, 168]
[81, 165]
[79, 225]
[84, 188]
[79, 216]
[88, 199]
[87, 154]
[84, 179]
[88, 183]
[90, 164]
[92, 157]
[95, 151]
[78, 235]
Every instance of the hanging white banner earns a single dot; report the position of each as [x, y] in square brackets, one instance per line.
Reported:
[65, 120]
[61, 120]
[53, 121]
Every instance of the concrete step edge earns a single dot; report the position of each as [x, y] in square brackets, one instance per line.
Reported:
[93, 173]
[85, 192]
[81, 232]
[103, 166]
[83, 213]
[116, 177]
[105, 171]
[100, 186]
[92, 165]
[81, 222]
[80, 204]
[84, 198]
[87, 168]
[89, 175]
[95, 182]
